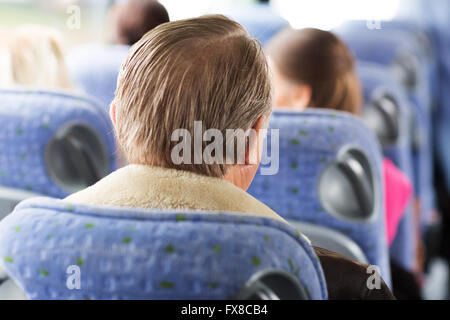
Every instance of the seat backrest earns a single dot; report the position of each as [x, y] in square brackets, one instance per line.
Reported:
[423, 35]
[53, 143]
[434, 15]
[388, 113]
[260, 20]
[387, 110]
[125, 253]
[329, 175]
[95, 68]
[400, 50]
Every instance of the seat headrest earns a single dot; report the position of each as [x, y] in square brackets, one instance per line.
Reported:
[95, 68]
[54, 143]
[319, 144]
[125, 253]
[260, 20]
[406, 68]
[347, 187]
[330, 174]
[382, 116]
[421, 34]
[394, 47]
[388, 111]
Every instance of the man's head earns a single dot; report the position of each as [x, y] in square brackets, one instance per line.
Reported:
[204, 70]
[134, 18]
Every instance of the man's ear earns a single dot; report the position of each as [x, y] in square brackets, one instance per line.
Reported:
[254, 150]
[112, 113]
[259, 124]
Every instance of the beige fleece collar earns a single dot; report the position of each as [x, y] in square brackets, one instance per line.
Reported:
[154, 187]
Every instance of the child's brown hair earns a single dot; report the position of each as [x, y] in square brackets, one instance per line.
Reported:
[321, 60]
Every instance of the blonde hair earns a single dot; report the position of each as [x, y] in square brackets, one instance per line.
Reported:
[203, 69]
[37, 57]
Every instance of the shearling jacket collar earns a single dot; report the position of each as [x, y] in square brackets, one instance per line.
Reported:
[151, 187]
[154, 187]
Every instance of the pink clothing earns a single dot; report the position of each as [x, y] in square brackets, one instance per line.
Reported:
[398, 193]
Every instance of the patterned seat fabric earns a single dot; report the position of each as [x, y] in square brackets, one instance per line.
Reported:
[309, 142]
[95, 68]
[125, 253]
[33, 124]
[389, 45]
[377, 82]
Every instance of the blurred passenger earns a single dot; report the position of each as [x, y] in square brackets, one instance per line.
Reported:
[36, 58]
[130, 20]
[205, 71]
[314, 68]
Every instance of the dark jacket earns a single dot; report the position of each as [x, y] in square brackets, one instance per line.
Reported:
[347, 279]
